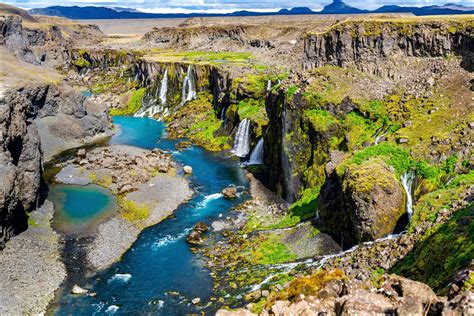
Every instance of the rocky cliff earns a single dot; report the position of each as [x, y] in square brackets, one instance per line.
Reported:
[35, 120]
[372, 46]
[43, 40]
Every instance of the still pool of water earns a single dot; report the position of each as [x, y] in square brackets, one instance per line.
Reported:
[161, 261]
[80, 207]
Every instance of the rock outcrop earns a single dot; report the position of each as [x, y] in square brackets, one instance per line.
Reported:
[362, 205]
[20, 165]
[33, 120]
[370, 45]
[44, 40]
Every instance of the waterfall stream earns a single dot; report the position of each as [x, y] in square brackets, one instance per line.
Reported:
[189, 86]
[256, 158]
[407, 183]
[164, 88]
[154, 106]
[242, 139]
[269, 85]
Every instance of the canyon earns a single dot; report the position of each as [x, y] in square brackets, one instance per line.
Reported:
[330, 157]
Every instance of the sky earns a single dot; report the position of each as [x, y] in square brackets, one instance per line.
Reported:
[224, 6]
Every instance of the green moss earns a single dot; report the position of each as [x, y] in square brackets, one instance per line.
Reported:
[291, 91]
[254, 110]
[81, 63]
[133, 105]
[198, 121]
[321, 120]
[133, 211]
[31, 221]
[269, 250]
[308, 286]
[447, 249]
[391, 154]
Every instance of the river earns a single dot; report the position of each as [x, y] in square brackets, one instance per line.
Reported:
[160, 274]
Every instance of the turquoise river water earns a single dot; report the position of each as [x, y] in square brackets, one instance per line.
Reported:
[160, 261]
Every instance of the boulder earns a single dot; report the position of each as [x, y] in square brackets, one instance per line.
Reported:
[76, 289]
[364, 303]
[230, 192]
[363, 204]
[187, 170]
[195, 238]
[201, 227]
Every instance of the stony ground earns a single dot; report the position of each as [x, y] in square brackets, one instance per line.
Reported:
[32, 269]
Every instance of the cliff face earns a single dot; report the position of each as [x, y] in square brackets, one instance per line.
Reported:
[33, 120]
[20, 165]
[44, 42]
[370, 46]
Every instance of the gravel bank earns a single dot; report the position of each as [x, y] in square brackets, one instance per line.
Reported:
[32, 269]
[163, 194]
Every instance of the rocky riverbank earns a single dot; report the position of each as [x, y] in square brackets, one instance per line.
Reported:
[32, 268]
[147, 188]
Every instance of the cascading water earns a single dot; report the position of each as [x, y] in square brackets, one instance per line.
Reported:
[155, 107]
[256, 158]
[242, 139]
[269, 85]
[164, 88]
[189, 86]
[407, 183]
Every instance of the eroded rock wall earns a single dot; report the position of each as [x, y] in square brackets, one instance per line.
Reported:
[372, 46]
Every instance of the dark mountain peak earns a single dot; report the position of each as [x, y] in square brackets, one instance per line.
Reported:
[339, 7]
[301, 10]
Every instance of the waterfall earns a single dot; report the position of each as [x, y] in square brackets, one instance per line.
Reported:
[242, 139]
[164, 88]
[153, 107]
[379, 138]
[256, 158]
[189, 86]
[269, 85]
[407, 183]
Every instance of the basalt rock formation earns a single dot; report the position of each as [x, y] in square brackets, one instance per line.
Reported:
[372, 46]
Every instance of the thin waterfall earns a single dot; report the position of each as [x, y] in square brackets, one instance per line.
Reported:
[269, 85]
[407, 183]
[153, 106]
[189, 86]
[242, 139]
[164, 88]
[380, 137]
[256, 158]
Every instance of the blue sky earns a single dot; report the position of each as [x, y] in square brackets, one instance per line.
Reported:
[225, 5]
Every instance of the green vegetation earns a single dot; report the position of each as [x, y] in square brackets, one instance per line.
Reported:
[133, 211]
[269, 250]
[31, 221]
[254, 111]
[308, 286]
[431, 204]
[81, 63]
[321, 120]
[133, 105]
[445, 250]
[201, 57]
[198, 121]
[391, 154]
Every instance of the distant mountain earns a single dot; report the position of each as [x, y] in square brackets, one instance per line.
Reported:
[339, 7]
[449, 8]
[336, 7]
